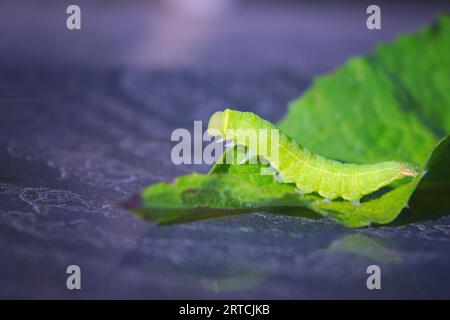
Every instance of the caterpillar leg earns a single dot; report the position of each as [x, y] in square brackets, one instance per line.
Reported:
[356, 203]
[326, 200]
[263, 160]
[268, 171]
[276, 177]
[303, 189]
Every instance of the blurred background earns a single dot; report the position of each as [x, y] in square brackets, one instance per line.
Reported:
[309, 36]
[85, 122]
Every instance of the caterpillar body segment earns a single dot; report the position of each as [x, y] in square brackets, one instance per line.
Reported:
[309, 172]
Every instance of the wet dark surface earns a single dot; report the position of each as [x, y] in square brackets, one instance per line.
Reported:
[77, 137]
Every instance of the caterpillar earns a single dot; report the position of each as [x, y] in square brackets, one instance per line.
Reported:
[311, 173]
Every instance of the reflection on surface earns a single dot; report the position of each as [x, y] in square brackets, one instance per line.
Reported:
[246, 259]
[250, 266]
[364, 246]
[234, 283]
[287, 263]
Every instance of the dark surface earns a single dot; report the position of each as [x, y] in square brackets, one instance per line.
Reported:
[85, 123]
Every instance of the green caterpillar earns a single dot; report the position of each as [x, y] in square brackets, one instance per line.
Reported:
[310, 172]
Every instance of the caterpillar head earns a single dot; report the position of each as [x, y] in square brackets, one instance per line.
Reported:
[218, 123]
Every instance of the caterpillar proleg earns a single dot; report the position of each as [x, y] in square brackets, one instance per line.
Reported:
[308, 171]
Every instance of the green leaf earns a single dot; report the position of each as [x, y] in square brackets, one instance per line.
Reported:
[241, 189]
[391, 105]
